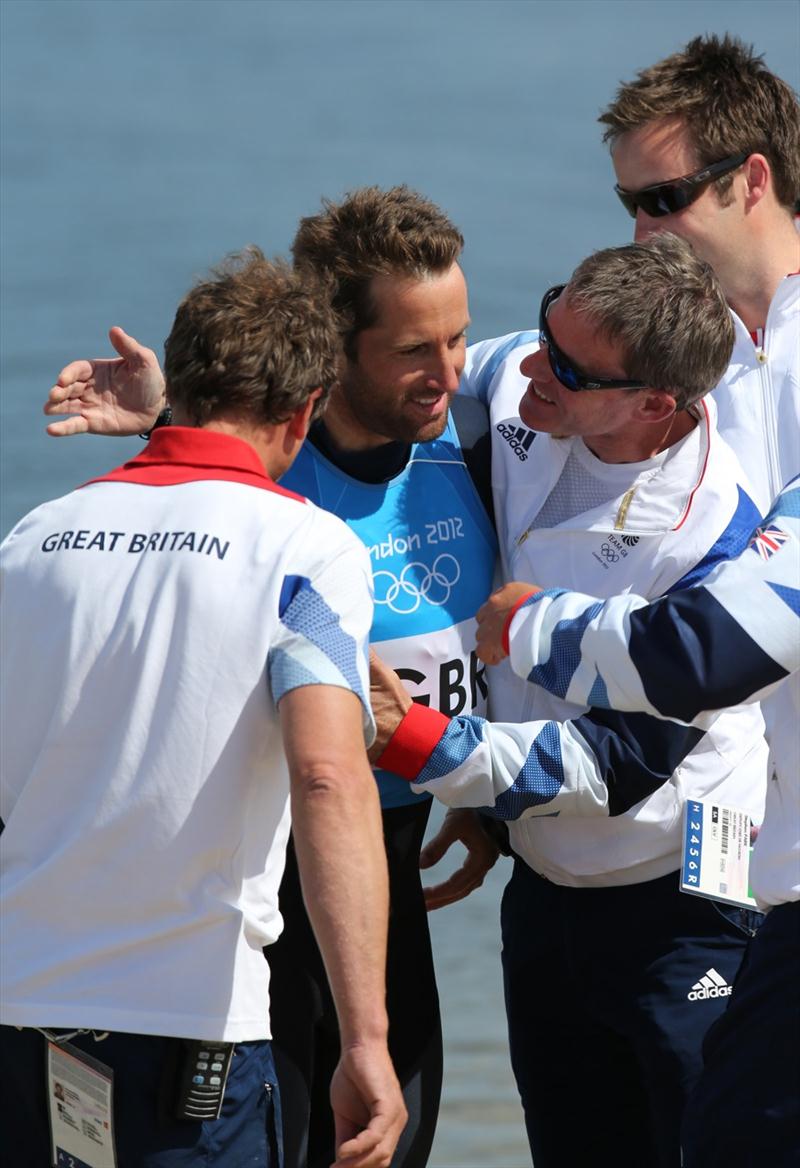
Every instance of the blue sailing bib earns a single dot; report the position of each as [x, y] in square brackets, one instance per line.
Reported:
[433, 551]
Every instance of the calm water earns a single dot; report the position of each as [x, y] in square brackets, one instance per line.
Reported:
[141, 141]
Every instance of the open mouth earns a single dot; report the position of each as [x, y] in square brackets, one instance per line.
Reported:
[432, 404]
[537, 393]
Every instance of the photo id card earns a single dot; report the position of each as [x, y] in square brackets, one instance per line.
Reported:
[716, 852]
[80, 1100]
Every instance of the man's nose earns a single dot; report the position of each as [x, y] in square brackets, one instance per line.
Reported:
[535, 364]
[446, 372]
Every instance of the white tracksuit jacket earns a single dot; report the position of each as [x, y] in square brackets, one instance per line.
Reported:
[758, 399]
[632, 655]
[668, 529]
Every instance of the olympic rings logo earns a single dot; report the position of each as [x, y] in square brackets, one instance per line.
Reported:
[608, 553]
[404, 593]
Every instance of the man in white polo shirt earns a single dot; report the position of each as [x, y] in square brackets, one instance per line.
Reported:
[171, 631]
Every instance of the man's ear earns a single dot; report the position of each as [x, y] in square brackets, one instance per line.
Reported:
[654, 405]
[301, 419]
[758, 177]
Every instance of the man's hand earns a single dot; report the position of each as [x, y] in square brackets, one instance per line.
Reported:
[120, 396]
[492, 617]
[459, 824]
[389, 700]
[368, 1108]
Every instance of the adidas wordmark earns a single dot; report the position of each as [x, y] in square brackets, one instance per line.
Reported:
[711, 985]
[519, 438]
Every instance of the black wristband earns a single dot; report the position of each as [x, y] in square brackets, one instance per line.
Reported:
[163, 419]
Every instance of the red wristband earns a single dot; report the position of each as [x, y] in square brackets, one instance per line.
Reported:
[413, 742]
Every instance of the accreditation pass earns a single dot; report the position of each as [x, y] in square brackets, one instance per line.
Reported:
[716, 852]
[79, 1095]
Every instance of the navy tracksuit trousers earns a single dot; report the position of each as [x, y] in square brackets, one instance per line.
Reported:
[609, 994]
[745, 1111]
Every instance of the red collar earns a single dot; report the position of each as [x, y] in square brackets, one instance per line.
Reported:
[182, 454]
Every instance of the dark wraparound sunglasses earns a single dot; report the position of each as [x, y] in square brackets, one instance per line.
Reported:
[563, 367]
[668, 197]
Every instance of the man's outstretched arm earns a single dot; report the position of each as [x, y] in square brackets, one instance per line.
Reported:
[117, 396]
[727, 641]
[598, 764]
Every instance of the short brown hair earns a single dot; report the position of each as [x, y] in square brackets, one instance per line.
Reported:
[374, 232]
[730, 102]
[252, 341]
[665, 308]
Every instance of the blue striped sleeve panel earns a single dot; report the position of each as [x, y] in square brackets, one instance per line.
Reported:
[729, 544]
[552, 638]
[512, 770]
[312, 648]
[787, 503]
[704, 649]
[555, 670]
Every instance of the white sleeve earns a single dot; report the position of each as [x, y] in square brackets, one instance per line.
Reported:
[601, 763]
[727, 641]
[325, 613]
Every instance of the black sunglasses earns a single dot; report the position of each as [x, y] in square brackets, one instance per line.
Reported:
[563, 367]
[668, 197]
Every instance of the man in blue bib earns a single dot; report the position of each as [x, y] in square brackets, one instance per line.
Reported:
[389, 458]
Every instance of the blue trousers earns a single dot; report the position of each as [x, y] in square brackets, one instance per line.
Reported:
[745, 1110]
[609, 994]
[245, 1135]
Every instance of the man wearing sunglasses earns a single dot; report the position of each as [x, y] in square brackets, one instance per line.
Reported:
[706, 144]
[608, 474]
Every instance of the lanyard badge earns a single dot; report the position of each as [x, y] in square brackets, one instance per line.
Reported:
[80, 1100]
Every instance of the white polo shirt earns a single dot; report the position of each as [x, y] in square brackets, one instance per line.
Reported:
[151, 622]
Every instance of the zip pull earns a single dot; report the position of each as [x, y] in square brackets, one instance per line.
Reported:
[758, 340]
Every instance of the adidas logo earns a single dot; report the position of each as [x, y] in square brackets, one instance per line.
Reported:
[711, 985]
[519, 438]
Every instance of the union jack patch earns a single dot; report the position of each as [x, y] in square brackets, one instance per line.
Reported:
[767, 540]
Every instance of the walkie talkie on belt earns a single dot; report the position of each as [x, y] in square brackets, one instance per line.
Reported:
[200, 1081]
